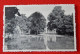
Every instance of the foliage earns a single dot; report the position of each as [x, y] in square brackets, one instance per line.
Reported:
[10, 12]
[9, 27]
[63, 23]
[10, 18]
[38, 23]
[21, 21]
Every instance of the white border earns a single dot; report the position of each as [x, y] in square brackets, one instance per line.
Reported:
[75, 49]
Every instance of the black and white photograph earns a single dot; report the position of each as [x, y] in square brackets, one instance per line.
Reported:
[47, 27]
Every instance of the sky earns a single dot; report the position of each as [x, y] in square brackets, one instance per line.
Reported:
[44, 9]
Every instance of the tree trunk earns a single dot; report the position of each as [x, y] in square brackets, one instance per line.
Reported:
[29, 31]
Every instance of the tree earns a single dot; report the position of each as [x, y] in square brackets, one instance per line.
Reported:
[55, 18]
[63, 23]
[37, 23]
[69, 24]
[21, 21]
[10, 18]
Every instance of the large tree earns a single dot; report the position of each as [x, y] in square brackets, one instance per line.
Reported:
[10, 18]
[37, 23]
[63, 23]
[55, 17]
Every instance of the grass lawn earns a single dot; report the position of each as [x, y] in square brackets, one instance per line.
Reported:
[62, 43]
[26, 42]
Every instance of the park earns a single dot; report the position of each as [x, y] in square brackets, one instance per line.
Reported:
[37, 32]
